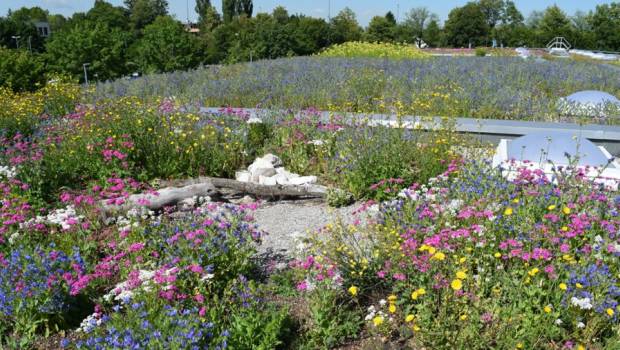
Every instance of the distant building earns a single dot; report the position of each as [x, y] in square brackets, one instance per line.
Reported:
[43, 28]
[192, 28]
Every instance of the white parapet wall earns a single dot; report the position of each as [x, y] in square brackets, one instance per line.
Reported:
[609, 176]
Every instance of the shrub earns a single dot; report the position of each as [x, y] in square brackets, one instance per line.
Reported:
[20, 70]
[481, 52]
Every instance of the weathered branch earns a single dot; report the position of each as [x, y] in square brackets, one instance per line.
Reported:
[179, 190]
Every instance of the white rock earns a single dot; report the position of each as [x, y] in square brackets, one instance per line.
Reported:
[267, 181]
[266, 172]
[303, 180]
[289, 175]
[243, 176]
[260, 163]
[273, 159]
[281, 179]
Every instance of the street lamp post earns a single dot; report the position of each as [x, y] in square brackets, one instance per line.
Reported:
[16, 37]
[85, 72]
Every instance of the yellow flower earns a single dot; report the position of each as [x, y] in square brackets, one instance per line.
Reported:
[578, 285]
[520, 346]
[563, 286]
[497, 255]
[581, 347]
[566, 210]
[392, 298]
[418, 293]
[551, 207]
[353, 290]
[409, 318]
[516, 200]
[610, 312]
[508, 211]
[392, 308]
[564, 228]
[461, 275]
[377, 321]
[547, 309]
[463, 317]
[533, 271]
[439, 256]
[456, 284]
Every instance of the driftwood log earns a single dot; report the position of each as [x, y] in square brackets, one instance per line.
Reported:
[179, 190]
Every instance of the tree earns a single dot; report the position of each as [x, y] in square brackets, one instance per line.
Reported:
[202, 8]
[416, 21]
[229, 10]
[344, 27]
[209, 20]
[166, 46]
[87, 42]
[605, 23]
[24, 29]
[554, 23]
[380, 29]
[144, 12]
[493, 11]
[245, 7]
[432, 33]
[20, 70]
[390, 18]
[465, 25]
[104, 12]
[310, 34]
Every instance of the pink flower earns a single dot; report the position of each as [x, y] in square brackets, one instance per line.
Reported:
[302, 286]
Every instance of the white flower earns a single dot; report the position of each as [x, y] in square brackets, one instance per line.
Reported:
[382, 302]
[8, 172]
[254, 121]
[316, 142]
[584, 303]
[558, 322]
[580, 325]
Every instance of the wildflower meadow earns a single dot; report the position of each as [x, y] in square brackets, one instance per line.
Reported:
[439, 251]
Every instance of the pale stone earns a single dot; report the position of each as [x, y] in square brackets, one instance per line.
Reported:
[304, 180]
[266, 172]
[267, 181]
[289, 175]
[281, 179]
[260, 163]
[273, 159]
[243, 176]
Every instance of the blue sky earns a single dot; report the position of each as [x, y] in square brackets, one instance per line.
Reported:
[364, 9]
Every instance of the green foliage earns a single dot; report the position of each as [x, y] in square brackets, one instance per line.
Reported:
[481, 52]
[339, 198]
[605, 23]
[21, 70]
[102, 47]
[331, 320]
[166, 46]
[380, 29]
[344, 27]
[467, 25]
[144, 12]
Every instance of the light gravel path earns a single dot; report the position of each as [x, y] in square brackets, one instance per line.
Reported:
[284, 220]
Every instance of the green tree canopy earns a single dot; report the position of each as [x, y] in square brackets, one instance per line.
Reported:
[467, 24]
[381, 28]
[166, 46]
[21, 70]
[144, 12]
[605, 23]
[94, 43]
[344, 27]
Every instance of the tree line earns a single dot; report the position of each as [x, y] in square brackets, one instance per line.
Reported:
[142, 36]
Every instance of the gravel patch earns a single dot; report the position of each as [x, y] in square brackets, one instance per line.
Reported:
[284, 221]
